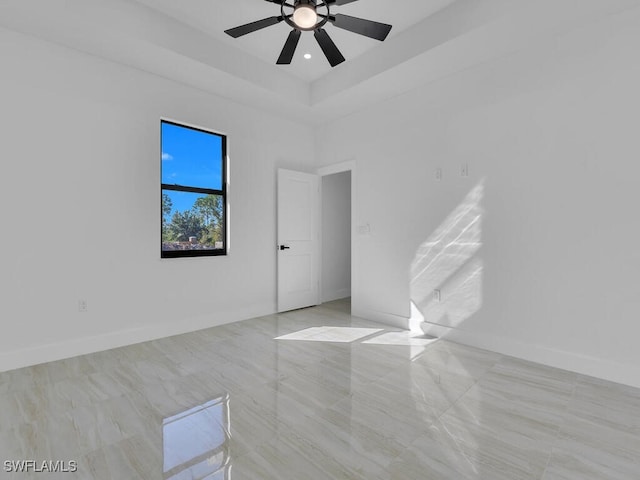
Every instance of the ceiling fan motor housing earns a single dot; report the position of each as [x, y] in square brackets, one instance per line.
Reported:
[305, 16]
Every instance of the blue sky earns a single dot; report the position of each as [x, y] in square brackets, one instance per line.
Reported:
[181, 200]
[190, 158]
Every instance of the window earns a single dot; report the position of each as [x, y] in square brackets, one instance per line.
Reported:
[194, 191]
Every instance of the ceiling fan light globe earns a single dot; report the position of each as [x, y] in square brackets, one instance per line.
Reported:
[305, 16]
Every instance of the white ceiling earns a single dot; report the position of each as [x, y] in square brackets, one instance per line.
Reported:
[185, 41]
[214, 16]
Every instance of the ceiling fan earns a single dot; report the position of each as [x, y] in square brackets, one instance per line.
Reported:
[304, 15]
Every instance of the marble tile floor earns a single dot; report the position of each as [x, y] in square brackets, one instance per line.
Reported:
[314, 394]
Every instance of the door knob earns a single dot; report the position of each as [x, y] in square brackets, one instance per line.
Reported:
[284, 247]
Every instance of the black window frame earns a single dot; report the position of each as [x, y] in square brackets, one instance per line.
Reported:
[207, 191]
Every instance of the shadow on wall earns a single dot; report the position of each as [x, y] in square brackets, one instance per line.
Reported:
[446, 273]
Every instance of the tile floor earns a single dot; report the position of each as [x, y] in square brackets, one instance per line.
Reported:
[314, 394]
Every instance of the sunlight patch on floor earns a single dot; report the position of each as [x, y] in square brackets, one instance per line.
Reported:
[406, 339]
[331, 334]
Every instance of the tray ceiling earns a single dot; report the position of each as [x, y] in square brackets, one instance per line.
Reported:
[214, 16]
[185, 41]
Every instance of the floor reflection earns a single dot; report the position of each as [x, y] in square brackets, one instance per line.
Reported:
[195, 442]
[391, 405]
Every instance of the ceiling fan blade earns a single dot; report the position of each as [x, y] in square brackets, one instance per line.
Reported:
[338, 2]
[291, 5]
[289, 48]
[328, 47]
[253, 26]
[368, 28]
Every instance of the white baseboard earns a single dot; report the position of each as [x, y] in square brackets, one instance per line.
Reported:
[25, 357]
[391, 319]
[336, 294]
[586, 365]
[583, 364]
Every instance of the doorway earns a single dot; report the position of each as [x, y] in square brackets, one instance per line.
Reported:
[336, 185]
[335, 283]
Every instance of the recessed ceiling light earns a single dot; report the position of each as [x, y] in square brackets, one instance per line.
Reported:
[307, 56]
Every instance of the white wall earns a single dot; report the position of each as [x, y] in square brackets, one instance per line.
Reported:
[550, 135]
[336, 236]
[80, 206]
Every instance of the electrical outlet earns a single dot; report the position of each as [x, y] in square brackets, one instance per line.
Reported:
[82, 306]
[436, 295]
[438, 173]
[364, 229]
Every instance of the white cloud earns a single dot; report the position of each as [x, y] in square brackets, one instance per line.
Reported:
[166, 156]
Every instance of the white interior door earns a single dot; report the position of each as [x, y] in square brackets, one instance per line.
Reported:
[298, 242]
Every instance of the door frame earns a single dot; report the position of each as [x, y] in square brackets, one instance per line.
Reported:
[346, 166]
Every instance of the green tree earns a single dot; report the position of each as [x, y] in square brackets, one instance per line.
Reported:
[209, 208]
[212, 234]
[167, 206]
[184, 225]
